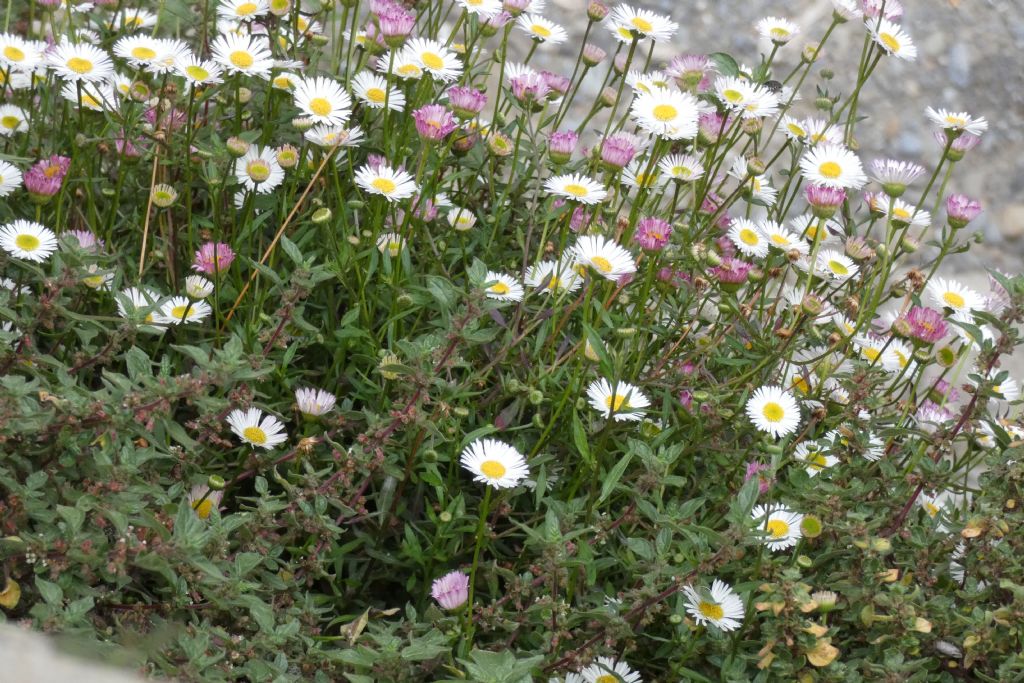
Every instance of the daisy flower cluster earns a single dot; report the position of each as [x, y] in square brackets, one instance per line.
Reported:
[398, 340]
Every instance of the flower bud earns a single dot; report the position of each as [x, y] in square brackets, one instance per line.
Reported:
[597, 10]
[216, 483]
[237, 147]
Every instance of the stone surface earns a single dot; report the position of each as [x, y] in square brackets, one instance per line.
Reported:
[34, 658]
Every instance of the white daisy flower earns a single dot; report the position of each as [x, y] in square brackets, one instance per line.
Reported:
[553, 277]
[391, 243]
[140, 50]
[403, 64]
[198, 71]
[750, 99]
[461, 219]
[285, 81]
[957, 121]
[258, 170]
[669, 114]
[329, 136]
[950, 294]
[758, 186]
[636, 175]
[373, 91]
[180, 309]
[908, 214]
[720, 606]
[576, 187]
[774, 410]
[242, 10]
[203, 500]
[18, 53]
[134, 18]
[247, 55]
[876, 350]
[795, 129]
[140, 305]
[198, 287]
[314, 402]
[13, 119]
[650, 81]
[747, 237]
[10, 178]
[833, 166]
[392, 184]
[542, 30]
[836, 265]
[643, 23]
[821, 131]
[257, 429]
[609, 259]
[815, 456]
[94, 96]
[781, 525]
[80, 62]
[685, 168]
[891, 37]
[28, 241]
[781, 238]
[482, 8]
[608, 670]
[778, 30]
[494, 463]
[623, 401]
[323, 101]
[503, 287]
[434, 58]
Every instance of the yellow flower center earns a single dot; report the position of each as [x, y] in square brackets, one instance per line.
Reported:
[830, 170]
[14, 54]
[376, 95]
[198, 73]
[499, 288]
[203, 508]
[779, 240]
[602, 264]
[838, 268]
[575, 189]
[384, 185]
[872, 354]
[900, 212]
[711, 610]
[241, 59]
[617, 402]
[255, 435]
[748, 236]
[320, 106]
[956, 121]
[178, 312]
[90, 101]
[641, 24]
[732, 95]
[607, 678]
[777, 528]
[542, 31]
[258, 170]
[79, 65]
[625, 32]
[432, 61]
[773, 412]
[954, 300]
[283, 82]
[408, 70]
[27, 242]
[93, 281]
[246, 8]
[796, 130]
[779, 33]
[492, 469]
[801, 384]
[931, 509]
[665, 112]
[143, 52]
[817, 461]
[11, 122]
[890, 42]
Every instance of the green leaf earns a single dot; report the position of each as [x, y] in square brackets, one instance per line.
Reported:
[724, 64]
[50, 592]
[579, 437]
[138, 363]
[73, 516]
[612, 478]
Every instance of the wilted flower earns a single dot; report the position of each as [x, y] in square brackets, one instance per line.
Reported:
[451, 590]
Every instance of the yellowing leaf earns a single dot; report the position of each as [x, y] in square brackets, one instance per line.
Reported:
[10, 595]
[922, 625]
[823, 653]
[816, 630]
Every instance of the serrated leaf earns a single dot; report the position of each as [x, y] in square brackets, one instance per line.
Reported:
[724, 63]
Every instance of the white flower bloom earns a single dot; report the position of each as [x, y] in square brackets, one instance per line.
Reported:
[774, 410]
[720, 606]
[257, 429]
[623, 401]
[494, 463]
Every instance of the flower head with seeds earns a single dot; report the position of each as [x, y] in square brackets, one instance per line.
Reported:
[257, 429]
[494, 463]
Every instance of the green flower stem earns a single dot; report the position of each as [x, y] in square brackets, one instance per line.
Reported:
[469, 627]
